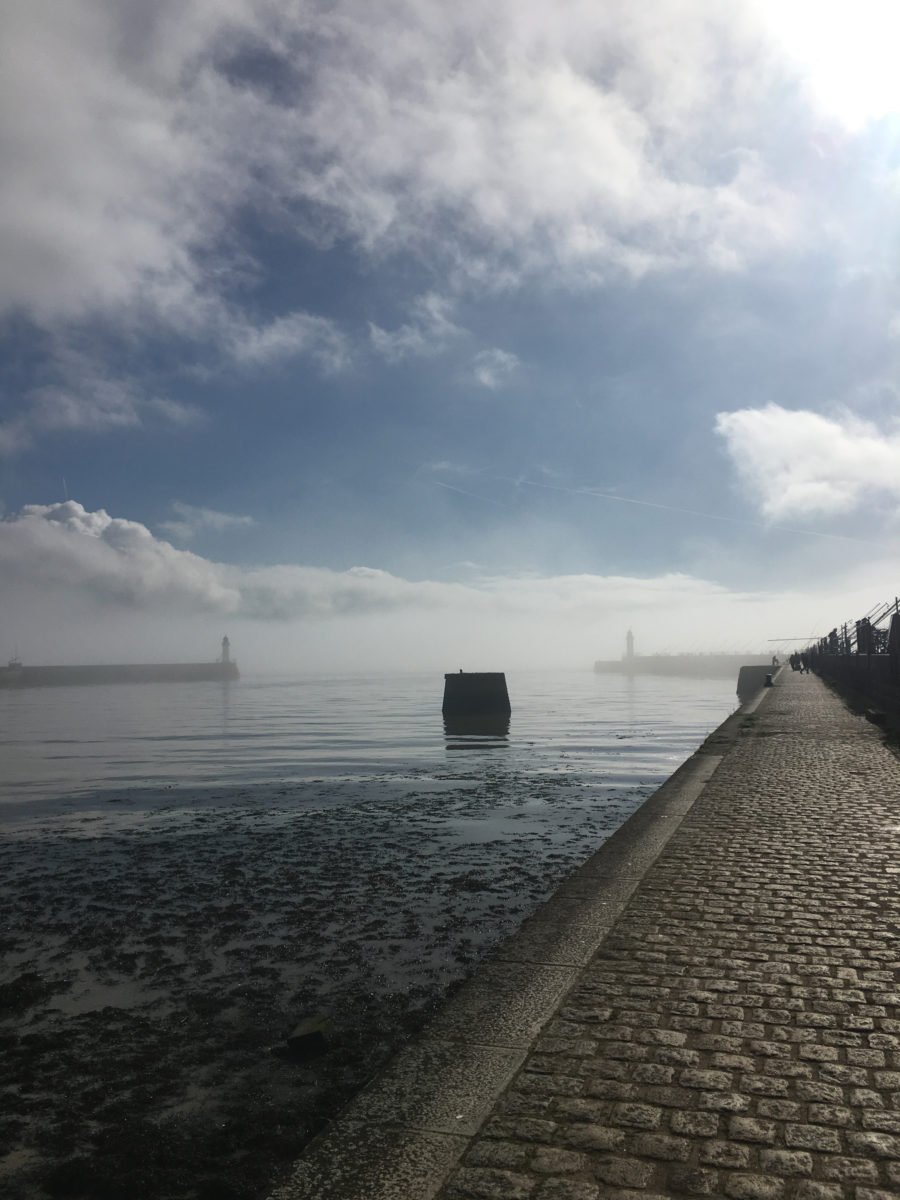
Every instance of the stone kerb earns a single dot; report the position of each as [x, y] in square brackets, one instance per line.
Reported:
[402, 1137]
[737, 1033]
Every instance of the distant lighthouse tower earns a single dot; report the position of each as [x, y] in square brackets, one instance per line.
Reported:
[629, 645]
[226, 649]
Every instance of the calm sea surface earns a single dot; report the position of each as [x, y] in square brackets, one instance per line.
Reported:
[188, 870]
[332, 740]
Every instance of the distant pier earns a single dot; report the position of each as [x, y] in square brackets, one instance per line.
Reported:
[699, 666]
[29, 677]
[713, 665]
[17, 675]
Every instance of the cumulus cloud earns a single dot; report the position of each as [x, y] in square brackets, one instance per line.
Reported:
[496, 139]
[799, 463]
[428, 332]
[295, 335]
[93, 150]
[112, 561]
[537, 138]
[191, 520]
[493, 368]
[496, 144]
[120, 563]
[71, 578]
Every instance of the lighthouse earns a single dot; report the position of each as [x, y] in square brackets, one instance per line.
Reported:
[629, 645]
[226, 649]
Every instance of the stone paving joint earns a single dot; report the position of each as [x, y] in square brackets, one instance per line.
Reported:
[736, 1031]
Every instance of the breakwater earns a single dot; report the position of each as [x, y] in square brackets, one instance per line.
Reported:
[698, 666]
[15, 676]
[752, 679]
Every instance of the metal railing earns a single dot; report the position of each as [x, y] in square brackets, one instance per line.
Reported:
[869, 634]
[863, 655]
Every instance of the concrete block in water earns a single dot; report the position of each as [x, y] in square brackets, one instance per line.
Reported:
[475, 693]
[310, 1038]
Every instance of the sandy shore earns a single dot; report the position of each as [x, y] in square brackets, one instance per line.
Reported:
[156, 958]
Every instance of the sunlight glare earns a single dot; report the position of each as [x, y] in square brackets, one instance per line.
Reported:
[847, 53]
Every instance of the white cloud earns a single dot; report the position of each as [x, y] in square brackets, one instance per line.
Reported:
[16, 435]
[429, 332]
[798, 463]
[94, 145]
[192, 520]
[112, 562]
[85, 398]
[120, 562]
[497, 144]
[175, 412]
[492, 139]
[561, 138]
[63, 568]
[493, 368]
[295, 335]
[444, 465]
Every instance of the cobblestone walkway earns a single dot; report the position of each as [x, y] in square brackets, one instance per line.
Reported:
[738, 1033]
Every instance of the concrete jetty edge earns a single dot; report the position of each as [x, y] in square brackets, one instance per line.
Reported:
[403, 1134]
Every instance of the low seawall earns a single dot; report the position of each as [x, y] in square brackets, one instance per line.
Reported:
[696, 666]
[752, 679]
[28, 677]
[403, 1135]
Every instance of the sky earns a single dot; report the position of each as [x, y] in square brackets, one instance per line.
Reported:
[437, 336]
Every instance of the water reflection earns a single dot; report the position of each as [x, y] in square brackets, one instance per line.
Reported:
[225, 712]
[476, 733]
[57, 743]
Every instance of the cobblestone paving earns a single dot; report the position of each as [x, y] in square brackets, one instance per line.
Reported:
[738, 1033]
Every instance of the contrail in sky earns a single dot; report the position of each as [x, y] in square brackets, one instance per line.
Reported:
[692, 512]
[486, 499]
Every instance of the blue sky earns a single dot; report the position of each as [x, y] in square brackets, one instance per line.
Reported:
[412, 333]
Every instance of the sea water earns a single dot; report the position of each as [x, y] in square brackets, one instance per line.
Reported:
[188, 870]
[165, 745]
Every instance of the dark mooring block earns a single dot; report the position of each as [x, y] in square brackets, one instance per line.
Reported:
[475, 693]
[310, 1038]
